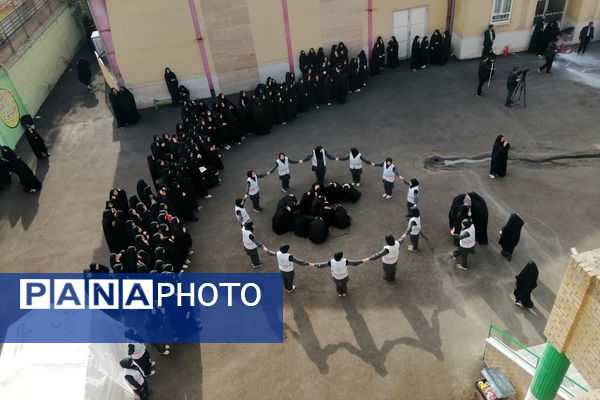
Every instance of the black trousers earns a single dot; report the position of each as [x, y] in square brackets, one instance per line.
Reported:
[356, 173]
[255, 198]
[583, 45]
[414, 240]
[548, 65]
[144, 393]
[481, 83]
[509, 96]
[409, 205]
[320, 175]
[253, 254]
[388, 187]
[288, 279]
[144, 362]
[285, 181]
[464, 254]
[389, 271]
[341, 285]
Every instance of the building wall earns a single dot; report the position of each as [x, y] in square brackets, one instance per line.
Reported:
[40, 64]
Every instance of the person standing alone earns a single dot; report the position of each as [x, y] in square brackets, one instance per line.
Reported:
[550, 54]
[483, 74]
[585, 36]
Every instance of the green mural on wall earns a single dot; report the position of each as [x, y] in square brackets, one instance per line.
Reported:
[11, 110]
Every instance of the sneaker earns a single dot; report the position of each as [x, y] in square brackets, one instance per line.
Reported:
[460, 266]
[358, 184]
[227, 147]
[256, 266]
[238, 143]
[520, 304]
[284, 191]
[188, 261]
[539, 71]
[344, 294]
[167, 346]
[384, 195]
[423, 66]
[317, 107]
[208, 196]
[452, 255]
[284, 123]
[293, 288]
[151, 373]
[257, 210]
[478, 95]
[339, 295]
[389, 196]
[492, 176]
[357, 90]
[410, 248]
[328, 104]
[165, 353]
[152, 363]
[198, 208]
[185, 266]
[33, 191]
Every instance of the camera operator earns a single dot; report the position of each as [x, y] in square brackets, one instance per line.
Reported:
[551, 51]
[484, 74]
[511, 84]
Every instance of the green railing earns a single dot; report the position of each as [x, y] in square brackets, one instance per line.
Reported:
[510, 340]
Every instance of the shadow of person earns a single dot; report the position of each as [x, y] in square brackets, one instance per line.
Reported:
[307, 337]
[428, 332]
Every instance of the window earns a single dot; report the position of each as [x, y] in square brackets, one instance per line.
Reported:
[501, 10]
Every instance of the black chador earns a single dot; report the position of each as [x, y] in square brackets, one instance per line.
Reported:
[17, 166]
[392, 53]
[129, 106]
[436, 47]
[325, 90]
[425, 52]
[499, 157]
[536, 45]
[260, 117]
[377, 56]
[38, 146]
[304, 101]
[459, 210]
[363, 68]
[340, 86]
[116, 103]
[510, 235]
[415, 54]
[84, 73]
[4, 174]
[446, 47]
[172, 86]
[526, 282]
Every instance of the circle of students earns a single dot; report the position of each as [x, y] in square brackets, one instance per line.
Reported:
[146, 232]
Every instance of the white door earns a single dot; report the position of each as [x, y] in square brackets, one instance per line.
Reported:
[400, 30]
[406, 25]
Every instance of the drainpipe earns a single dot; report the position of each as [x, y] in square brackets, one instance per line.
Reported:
[370, 26]
[200, 41]
[450, 15]
[100, 15]
[288, 36]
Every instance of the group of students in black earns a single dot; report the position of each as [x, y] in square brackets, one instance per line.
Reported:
[430, 51]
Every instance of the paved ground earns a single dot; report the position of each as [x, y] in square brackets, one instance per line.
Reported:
[422, 335]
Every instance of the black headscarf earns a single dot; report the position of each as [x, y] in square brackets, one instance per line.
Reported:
[499, 157]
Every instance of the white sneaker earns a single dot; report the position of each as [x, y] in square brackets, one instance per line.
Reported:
[256, 266]
[188, 261]
[358, 184]
[460, 266]
[389, 196]
[166, 353]
[410, 248]
[339, 295]
[151, 373]
[344, 294]
[358, 90]
[208, 196]
[185, 266]
[152, 363]
[190, 252]
[384, 195]
[167, 346]
[492, 176]
[198, 208]
[293, 288]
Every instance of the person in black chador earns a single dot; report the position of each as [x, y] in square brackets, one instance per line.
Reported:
[424, 52]
[446, 47]
[436, 47]
[499, 157]
[550, 33]
[392, 53]
[129, 106]
[377, 56]
[116, 102]
[17, 166]
[510, 235]
[36, 142]
[4, 173]
[526, 282]
[84, 73]
[172, 85]
[415, 54]
[472, 206]
[536, 45]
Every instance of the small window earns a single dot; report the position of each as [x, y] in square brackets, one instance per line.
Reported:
[501, 10]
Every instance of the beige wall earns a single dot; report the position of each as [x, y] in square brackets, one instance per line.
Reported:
[268, 30]
[382, 16]
[583, 10]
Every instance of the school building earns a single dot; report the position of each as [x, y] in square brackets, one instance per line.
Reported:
[231, 45]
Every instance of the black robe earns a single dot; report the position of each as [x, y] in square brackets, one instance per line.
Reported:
[415, 55]
[116, 102]
[38, 146]
[436, 49]
[129, 106]
[353, 82]
[306, 202]
[392, 54]
[350, 193]
[424, 52]
[536, 45]
[318, 231]
[84, 73]
[283, 221]
[172, 86]
[4, 173]
[301, 224]
[479, 215]
[446, 48]
[17, 166]
[526, 282]
[340, 87]
[260, 118]
[511, 233]
[363, 69]
[341, 219]
[109, 231]
[499, 157]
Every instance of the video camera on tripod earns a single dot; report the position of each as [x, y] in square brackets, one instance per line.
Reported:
[521, 88]
[522, 72]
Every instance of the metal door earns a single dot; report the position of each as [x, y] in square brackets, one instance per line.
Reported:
[406, 24]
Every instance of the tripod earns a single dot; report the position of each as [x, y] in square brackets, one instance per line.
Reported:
[522, 90]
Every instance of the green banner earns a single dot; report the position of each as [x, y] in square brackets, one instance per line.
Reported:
[11, 110]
